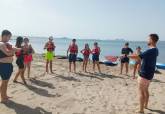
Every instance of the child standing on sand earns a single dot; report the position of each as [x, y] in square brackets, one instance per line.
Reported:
[28, 55]
[124, 59]
[20, 60]
[49, 56]
[137, 62]
[149, 58]
[73, 51]
[86, 52]
[95, 56]
[6, 59]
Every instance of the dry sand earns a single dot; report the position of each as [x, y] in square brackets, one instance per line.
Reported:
[80, 93]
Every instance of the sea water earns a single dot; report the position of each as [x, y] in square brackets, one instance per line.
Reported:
[108, 47]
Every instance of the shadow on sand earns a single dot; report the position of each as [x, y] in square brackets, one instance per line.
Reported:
[103, 75]
[90, 76]
[157, 111]
[23, 109]
[41, 83]
[68, 78]
[39, 91]
[155, 80]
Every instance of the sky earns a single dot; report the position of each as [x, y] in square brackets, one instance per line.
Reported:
[89, 19]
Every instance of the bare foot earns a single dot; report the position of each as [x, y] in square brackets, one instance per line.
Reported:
[25, 82]
[7, 97]
[15, 81]
[146, 107]
[52, 72]
[140, 112]
[4, 100]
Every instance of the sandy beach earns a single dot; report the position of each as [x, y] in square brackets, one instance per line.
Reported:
[80, 93]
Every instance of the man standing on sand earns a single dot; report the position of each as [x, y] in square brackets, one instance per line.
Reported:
[6, 67]
[149, 58]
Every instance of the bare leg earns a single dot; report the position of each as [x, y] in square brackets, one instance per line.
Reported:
[70, 63]
[74, 65]
[22, 76]
[29, 67]
[146, 97]
[86, 62]
[47, 62]
[51, 67]
[98, 66]
[17, 75]
[126, 66]
[3, 87]
[134, 71]
[94, 65]
[141, 98]
[83, 64]
[121, 68]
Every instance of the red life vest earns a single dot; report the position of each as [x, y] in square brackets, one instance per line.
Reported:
[18, 53]
[28, 50]
[86, 52]
[73, 48]
[96, 51]
[50, 46]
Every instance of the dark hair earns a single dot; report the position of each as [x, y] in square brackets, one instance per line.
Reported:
[26, 39]
[19, 41]
[74, 40]
[126, 44]
[154, 37]
[6, 33]
[95, 43]
[138, 47]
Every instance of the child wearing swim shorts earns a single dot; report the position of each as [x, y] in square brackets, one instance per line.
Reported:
[20, 60]
[6, 59]
[73, 51]
[28, 55]
[137, 62]
[124, 59]
[86, 53]
[146, 74]
[95, 56]
[49, 56]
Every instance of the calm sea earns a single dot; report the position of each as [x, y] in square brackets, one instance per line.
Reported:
[107, 47]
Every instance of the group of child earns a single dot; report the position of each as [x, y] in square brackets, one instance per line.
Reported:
[145, 62]
[125, 60]
[73, 51]
[72, 55]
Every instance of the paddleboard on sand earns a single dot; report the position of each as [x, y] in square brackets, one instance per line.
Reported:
[111, 58]
[160, 66]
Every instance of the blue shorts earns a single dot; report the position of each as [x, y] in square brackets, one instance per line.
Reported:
[72, 57]
[6, 69]
[95, 57]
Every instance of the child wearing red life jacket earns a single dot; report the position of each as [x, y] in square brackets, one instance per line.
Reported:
[49, 56]
[95, 56]
[28, 50]
[73, 51]
[86, 53]
[20, 60]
